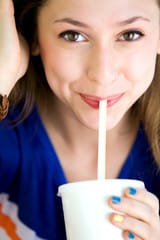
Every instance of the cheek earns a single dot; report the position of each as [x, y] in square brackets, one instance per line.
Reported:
[141, 69]
[60, 65]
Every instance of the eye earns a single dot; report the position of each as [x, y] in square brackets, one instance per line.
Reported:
[72, 36]
[131, 36]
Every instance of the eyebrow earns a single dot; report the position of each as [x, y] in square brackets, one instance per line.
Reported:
[82, 24]
[133, 19]
[72, 21]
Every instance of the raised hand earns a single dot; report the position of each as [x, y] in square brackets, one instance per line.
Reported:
[14, 53]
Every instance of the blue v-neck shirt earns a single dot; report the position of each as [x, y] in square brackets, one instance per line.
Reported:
[30, 173]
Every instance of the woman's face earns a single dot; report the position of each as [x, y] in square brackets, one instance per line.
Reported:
[98, 49]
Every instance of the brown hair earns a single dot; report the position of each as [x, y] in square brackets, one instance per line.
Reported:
[146, 109]
[26, 90]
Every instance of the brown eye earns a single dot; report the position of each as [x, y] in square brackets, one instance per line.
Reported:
[72, 36]
[131, 36]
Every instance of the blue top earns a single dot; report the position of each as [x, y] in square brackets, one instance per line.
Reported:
[30, 174]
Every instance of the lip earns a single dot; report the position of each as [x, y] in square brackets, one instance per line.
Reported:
[93, 101]
[111, 100]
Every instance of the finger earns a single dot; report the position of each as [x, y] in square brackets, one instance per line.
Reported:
[135, 209]
[130, 236]
[142, 195]
[134, 228]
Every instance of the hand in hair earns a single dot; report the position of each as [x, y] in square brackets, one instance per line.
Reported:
[14, 53]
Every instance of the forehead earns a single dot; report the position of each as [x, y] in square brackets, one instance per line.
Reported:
[101, 8]
[107, 4]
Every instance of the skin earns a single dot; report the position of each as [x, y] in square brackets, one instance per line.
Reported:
[100, 64]
[11, 42]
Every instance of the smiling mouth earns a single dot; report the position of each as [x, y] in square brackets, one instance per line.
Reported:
[93, 101]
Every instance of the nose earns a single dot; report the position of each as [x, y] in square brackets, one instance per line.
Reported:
[102, 66]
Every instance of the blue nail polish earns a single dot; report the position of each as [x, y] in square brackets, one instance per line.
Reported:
[116, 200]
[131, 235]
[132, 191]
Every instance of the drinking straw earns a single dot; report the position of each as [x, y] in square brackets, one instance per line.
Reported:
[101, 171]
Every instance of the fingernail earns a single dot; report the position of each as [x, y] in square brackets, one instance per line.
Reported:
[131, 235]
[132, 191]
[116, 200]
[118, 218]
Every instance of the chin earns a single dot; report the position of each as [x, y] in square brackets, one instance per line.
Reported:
[94, 125]
[89, 124]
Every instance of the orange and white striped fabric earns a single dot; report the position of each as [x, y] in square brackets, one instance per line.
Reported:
[11, 228]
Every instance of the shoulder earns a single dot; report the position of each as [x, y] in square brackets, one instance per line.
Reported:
[13, 143]
[141, 164]
[8, 138]
[147, 168]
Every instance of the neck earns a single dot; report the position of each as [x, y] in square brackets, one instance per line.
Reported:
[77, 145]
[61, 121]
[65, 123]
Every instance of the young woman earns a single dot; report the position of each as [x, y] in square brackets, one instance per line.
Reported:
[74, 54]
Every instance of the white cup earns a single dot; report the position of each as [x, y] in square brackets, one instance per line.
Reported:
[86, 210]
